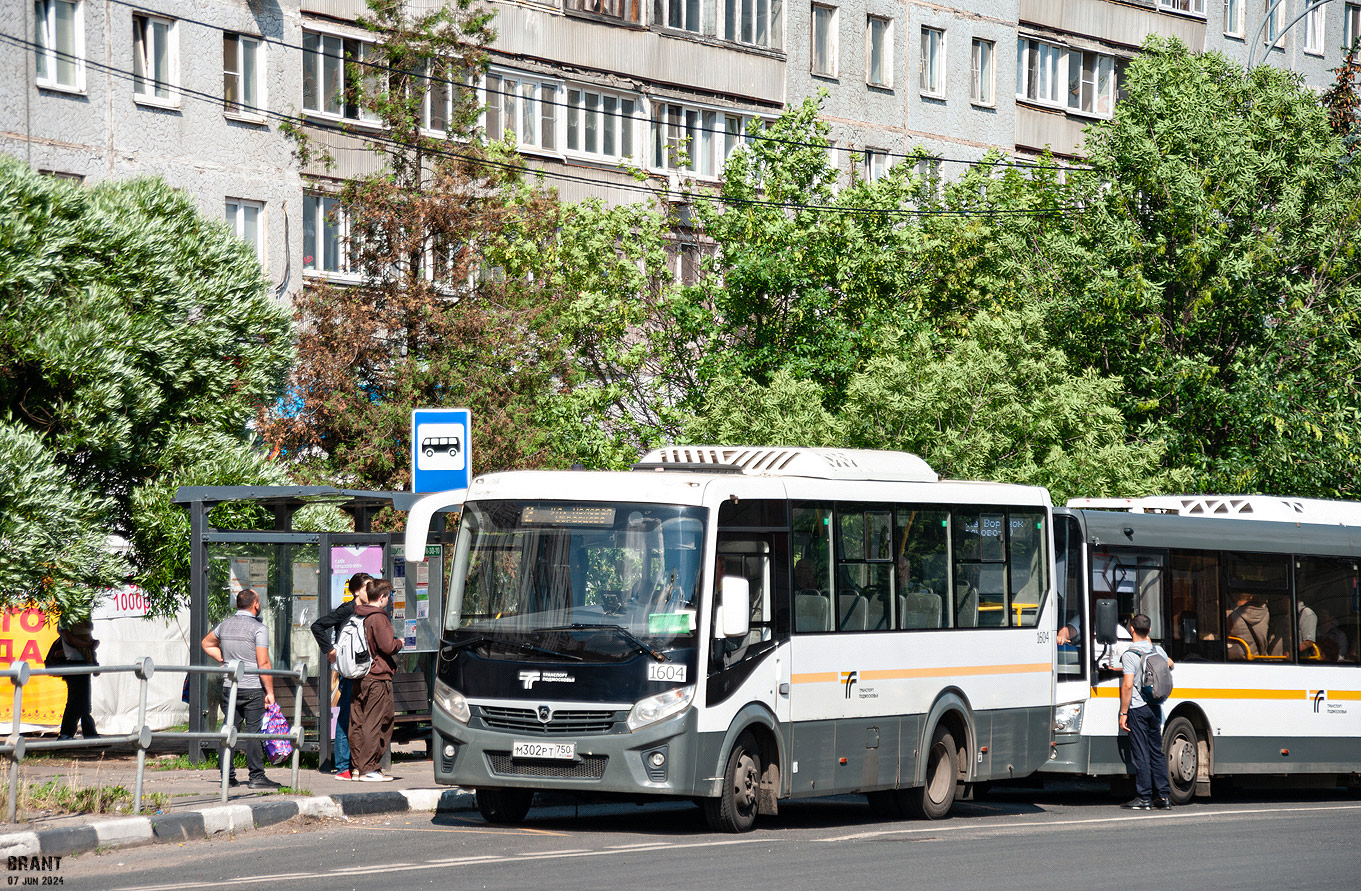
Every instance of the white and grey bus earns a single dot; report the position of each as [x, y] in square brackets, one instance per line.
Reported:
[1255, 598]
[741, 626]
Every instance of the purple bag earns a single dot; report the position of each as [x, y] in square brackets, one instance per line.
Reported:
[276, 750]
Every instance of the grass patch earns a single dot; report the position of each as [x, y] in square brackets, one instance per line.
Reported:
[182, 762]
[61, 797]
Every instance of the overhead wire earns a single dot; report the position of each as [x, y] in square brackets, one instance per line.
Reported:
[849, 150]
[383, 139]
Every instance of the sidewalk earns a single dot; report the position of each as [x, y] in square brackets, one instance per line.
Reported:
[195, 808]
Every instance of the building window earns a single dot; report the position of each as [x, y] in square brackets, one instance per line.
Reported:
[756, 22]
[933, 62]
[1275, 21]
[1351, 24]
[1196, 6]
[1037, 71]
[59, 43]
[329, 64]
[154, 62]
[522, 106]
[876, 164]
[323, 234]
[1233, 17]
[824, 40]
[1313, 30]
[600, 124]
[879, 51]
[696, 16]
[735, 133]
[1091, 82]
[624, 10]
[246, 219]
[982, 73]
[241, 81]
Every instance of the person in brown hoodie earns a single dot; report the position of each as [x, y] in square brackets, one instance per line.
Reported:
[371, 708]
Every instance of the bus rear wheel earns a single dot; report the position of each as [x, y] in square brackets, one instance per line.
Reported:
[735, 809]
[934, 800]
[504, 805]
[1181, 745]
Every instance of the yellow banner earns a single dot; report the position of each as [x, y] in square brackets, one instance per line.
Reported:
[26, 635]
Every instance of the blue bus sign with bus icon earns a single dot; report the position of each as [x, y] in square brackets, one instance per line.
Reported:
[440, 458]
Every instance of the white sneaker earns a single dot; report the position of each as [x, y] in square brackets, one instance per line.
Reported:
[376, 777]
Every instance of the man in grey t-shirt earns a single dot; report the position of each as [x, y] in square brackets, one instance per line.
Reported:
[1143, 721]
[244, 637]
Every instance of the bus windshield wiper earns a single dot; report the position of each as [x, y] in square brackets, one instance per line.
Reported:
[624, 633]
[517, 644]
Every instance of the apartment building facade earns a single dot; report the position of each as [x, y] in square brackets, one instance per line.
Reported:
[592, 89]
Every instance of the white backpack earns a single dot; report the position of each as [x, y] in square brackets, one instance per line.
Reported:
[353, 658]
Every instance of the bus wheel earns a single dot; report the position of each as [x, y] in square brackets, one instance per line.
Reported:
[504, 805]
[735, 809]
[1181, 745]
[933, 801]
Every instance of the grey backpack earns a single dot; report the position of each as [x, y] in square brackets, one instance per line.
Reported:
[1155, 677]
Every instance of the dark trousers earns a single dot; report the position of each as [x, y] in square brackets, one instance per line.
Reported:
[78, 707]
[250, 716]
[1146, 748]
[371, 716]
[341, 748]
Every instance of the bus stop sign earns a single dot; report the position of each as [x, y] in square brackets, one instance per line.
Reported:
[440, 449]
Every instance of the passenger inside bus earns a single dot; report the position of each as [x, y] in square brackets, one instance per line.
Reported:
[1307, 621]
[1247, 625]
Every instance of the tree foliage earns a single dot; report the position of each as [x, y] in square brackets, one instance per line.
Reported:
[1214, 268]
[137, 333]
[478, 288]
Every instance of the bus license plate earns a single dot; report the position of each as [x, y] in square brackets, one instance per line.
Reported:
[558, 751]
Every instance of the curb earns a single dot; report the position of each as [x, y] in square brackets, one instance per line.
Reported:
[123, 832]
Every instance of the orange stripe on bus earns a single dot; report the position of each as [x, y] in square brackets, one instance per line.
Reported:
[1232, 693]
[896, 674]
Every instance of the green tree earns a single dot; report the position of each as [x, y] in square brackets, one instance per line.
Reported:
[136, 332]
[1211, 264]
[479, 288]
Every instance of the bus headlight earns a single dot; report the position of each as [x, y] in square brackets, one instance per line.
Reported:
[451, 702]
[660, 707]
[1068, 718]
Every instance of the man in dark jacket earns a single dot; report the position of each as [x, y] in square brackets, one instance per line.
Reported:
[325, 630]
[371, 710]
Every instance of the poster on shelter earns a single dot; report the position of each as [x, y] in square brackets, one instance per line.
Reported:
[25, 636]
[305, 610]
[346, 560]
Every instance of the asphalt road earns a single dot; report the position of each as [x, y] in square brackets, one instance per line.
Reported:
[1013, 840]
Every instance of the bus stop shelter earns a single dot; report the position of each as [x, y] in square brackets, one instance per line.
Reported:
[301, 575]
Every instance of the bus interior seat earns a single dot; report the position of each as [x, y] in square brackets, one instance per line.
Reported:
[878, 614]
[852, 610]
[920, 609]
[812, 611]
[966, 616]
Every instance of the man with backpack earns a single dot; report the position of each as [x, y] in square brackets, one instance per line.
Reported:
[326, 630]
[371, 712]
[1146, 681]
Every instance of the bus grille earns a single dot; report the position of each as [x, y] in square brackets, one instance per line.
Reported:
[589, 767]
[564, 721]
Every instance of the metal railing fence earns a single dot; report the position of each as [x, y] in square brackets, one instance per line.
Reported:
[15, 746]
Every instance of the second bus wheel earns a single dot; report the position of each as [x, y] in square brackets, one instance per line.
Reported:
[934, 800]
[735, 809]
[1181, 745]
[504, 805]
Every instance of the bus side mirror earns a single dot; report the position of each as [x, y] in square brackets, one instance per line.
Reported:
[735, 607]
[1106, 619]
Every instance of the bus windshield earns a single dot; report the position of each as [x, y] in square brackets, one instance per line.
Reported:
[609, 575]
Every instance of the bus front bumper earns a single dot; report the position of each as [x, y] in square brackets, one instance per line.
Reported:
[474, 758]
